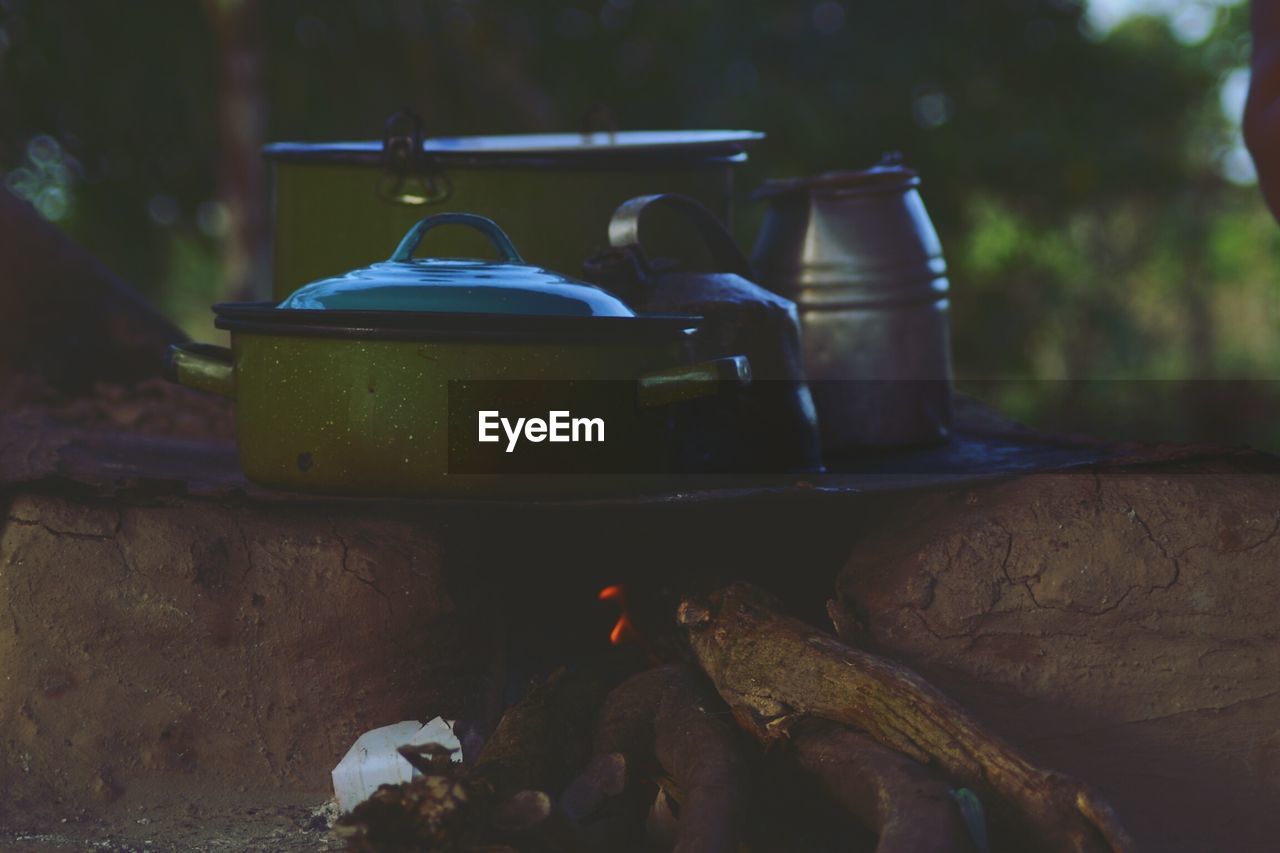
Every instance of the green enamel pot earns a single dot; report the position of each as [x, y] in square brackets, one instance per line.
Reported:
[375, 382]
[337, 205]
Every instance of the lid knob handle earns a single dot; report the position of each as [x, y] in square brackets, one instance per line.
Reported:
[483, 224]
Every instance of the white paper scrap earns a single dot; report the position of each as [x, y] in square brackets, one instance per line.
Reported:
[373, 759]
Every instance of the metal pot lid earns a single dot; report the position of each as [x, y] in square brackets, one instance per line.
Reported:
[889, 175]
[457, 285]
[601, 148]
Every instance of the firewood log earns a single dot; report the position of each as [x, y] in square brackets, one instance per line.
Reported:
[544, 740]
[672, 714]
[909, 807]
[774, 671]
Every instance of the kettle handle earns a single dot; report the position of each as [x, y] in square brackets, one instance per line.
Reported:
[483, 224]
[624, 230]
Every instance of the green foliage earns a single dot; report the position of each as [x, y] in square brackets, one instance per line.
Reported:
[126, 89]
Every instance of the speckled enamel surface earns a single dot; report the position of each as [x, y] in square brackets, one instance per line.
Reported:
[370, 416]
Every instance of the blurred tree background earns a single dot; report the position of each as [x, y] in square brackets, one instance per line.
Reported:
[1082, 161]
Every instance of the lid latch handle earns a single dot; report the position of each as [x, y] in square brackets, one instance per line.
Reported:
[410, 176]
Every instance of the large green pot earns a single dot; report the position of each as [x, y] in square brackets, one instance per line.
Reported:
[338, 205]
[348, 394]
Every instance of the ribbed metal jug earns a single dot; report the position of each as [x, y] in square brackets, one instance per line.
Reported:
[858, 255]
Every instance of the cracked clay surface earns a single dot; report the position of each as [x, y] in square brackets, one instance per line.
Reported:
[243, 647]
[1121, 626]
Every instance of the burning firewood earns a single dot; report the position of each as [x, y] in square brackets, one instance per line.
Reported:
[671, 714]
[577, 764]
[775, 671]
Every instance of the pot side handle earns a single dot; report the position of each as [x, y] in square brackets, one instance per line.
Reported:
[205, 367]
[692, 381]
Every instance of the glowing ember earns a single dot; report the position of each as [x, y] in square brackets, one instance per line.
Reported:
[623, 631]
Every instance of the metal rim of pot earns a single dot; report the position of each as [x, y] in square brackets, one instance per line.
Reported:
[406, 149]
[265, 318]
[889, 175]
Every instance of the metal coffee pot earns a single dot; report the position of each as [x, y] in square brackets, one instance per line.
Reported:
[858, 255]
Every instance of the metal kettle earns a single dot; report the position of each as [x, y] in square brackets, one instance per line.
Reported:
[769, 427]
[858, 255]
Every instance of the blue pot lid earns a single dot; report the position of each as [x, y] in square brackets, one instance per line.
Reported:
[457, 285]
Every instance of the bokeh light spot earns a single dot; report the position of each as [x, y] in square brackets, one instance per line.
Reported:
[163, 210]
[828, 17]
[213, 219]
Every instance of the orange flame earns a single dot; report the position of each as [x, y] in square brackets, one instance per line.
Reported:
[623, 631]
